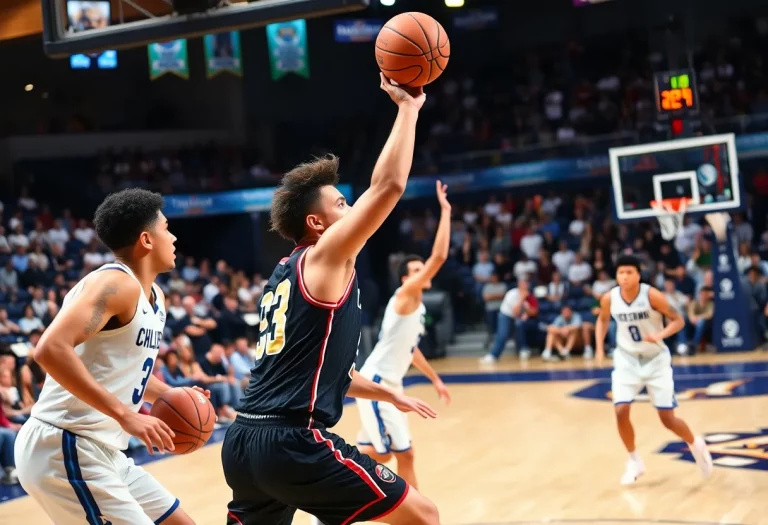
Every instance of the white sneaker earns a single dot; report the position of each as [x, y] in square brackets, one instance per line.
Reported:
[634, 470]
[524, 355]
[702, 456]
[589, 354]
[546, 355]
[682, 349]
[488, 359]
[11, 478]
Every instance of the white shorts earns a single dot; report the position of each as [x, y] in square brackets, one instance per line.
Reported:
[632, 372]
[384, 427]
[79, 481]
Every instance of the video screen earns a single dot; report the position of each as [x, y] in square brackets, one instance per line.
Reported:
[85, 15]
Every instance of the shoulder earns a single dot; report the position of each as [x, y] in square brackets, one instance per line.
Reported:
[110, 285]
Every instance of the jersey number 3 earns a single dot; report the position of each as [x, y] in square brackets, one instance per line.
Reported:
[272, 310]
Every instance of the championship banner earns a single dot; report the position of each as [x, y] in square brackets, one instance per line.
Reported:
[733, 328]
[287, 43]
[222, 54]
[168, 57]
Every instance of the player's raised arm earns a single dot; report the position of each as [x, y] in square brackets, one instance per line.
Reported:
[345, 238]
[105, 295]
[601, 328]
[676, 322]
[415, 283]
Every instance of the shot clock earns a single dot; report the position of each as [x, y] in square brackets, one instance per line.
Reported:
[676, 94]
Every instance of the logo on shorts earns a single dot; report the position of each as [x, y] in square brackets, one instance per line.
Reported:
[729, 449]
[385, 474]
[726, 289]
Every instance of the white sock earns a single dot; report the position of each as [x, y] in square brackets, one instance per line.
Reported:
[634, 456]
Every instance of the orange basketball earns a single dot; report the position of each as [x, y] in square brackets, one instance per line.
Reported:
[412, 49]
[189, 414]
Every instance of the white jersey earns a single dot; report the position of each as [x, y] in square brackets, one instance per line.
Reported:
[398, 337]
[636, 320]
[121, 360]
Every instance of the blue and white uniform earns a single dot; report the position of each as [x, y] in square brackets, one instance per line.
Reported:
[637, 363]
[384, 426]
[69, 455]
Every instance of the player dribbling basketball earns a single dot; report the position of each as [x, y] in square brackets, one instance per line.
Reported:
[99, 352]
[641, 359]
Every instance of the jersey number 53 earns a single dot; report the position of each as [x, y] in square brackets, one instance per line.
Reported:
[272, 310]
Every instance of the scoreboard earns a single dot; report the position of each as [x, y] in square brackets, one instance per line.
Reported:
[676, 94]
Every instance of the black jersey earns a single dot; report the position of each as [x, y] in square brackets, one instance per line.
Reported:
[307, 348]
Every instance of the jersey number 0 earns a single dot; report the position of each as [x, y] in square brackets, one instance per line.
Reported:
[272, 310]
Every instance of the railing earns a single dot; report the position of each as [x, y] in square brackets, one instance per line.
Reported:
[585, 146]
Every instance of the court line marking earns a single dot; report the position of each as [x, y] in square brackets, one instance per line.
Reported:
[608, 520]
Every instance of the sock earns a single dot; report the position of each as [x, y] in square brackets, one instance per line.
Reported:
[634, 456]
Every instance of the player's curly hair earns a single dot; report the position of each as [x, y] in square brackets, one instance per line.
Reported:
[629, 260]
[123, 215]
[298, 193]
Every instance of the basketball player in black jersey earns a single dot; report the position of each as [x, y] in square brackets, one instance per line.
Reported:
[278, 456]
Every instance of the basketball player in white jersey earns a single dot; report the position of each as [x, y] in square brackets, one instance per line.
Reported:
[385, 429]
[641, 359]
[99, 352]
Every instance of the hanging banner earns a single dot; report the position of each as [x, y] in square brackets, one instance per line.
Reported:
[222, 54]
[287, 43]
[168, 57]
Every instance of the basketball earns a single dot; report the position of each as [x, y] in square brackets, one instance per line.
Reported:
[189, 414]
[412, 49]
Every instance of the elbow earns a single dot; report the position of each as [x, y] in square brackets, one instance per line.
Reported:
[392, 186]
[41, 355]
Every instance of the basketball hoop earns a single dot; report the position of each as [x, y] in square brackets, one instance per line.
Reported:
[670, 213]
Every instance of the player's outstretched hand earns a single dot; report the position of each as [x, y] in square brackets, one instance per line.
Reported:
[151, 430]
[403, 94]
[442, 196]
[410, 404]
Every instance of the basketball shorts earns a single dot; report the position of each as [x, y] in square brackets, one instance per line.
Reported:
[632, 372]
[384, 427]
[275, 467]
[79, 481]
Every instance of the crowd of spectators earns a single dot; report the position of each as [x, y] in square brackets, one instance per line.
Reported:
[209, 335]
[539, 267]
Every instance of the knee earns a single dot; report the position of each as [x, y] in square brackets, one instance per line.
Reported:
[426, 513]
[405, 457]
[622, 412]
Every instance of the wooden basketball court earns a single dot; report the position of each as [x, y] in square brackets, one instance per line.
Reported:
[536, 443]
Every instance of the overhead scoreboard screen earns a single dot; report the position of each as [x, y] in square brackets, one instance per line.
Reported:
[676, 94]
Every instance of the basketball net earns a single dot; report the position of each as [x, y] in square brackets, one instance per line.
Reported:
[719, 224]
[670, 213]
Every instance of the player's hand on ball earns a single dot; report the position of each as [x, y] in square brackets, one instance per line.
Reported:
[652, 338]
[206, 393]
[403, 94]
[152, 431]
[410, 404]
[443, 393]
[442, 196]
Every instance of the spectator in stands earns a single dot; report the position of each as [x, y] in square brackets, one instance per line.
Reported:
[501, 242]
[757, 291]
[493, 294]
[29, 322]
[603, 284]
[7, 327]
[531, 242]
[10, 398]
[563, 334]
[8, 432]
[84, 233]
[677, 299]
[557, 290]
[242, 362]
[525, 268]
[173, 374]
[544, 268]
[195, 327]
[563, 258]
[230, 322]
[483, 268]
[519, 310]
[220, 379]
[700, 313]
[580, 272]
[9, 278]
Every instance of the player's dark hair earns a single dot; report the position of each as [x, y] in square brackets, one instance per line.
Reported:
[298, 193]
[629, 260]
[402, 270]
[123, 215]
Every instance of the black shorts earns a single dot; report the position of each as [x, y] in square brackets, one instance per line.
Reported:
[274, 468]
